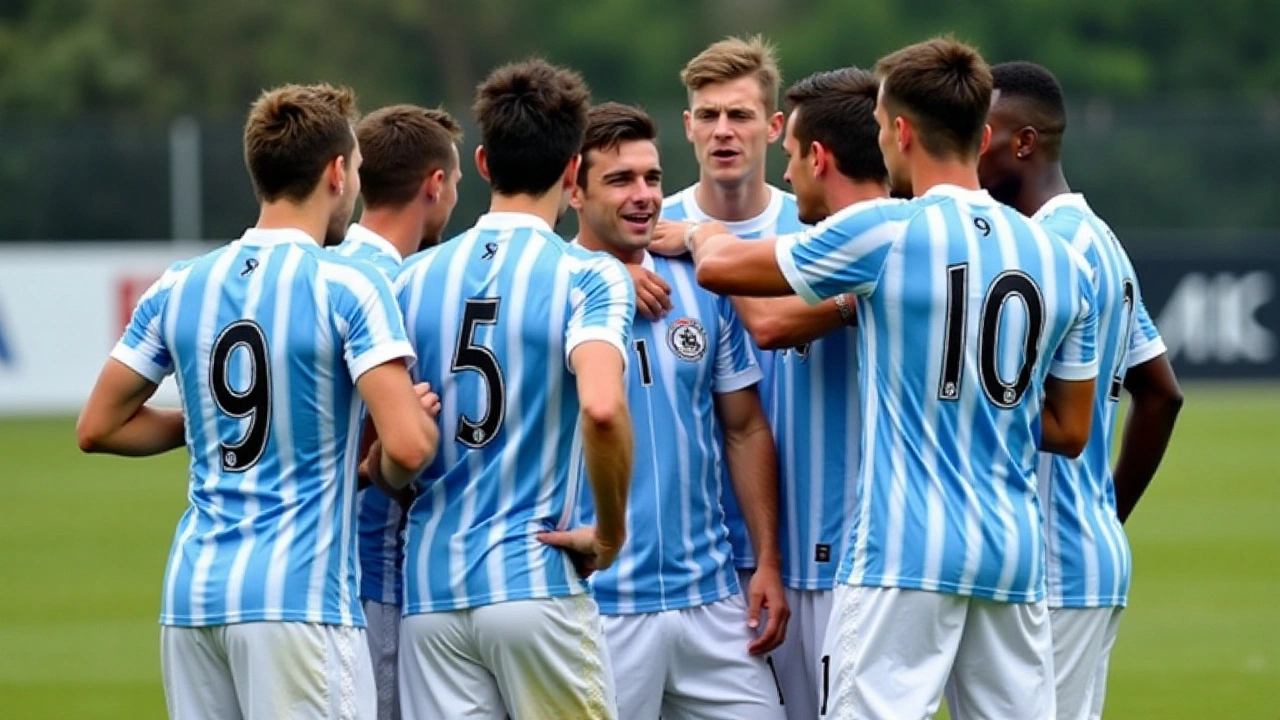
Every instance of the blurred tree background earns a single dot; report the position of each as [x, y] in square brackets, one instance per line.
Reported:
[1175, 104]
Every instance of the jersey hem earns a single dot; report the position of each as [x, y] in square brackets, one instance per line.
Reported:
[656, 606]
[795, 583]
[470, 603]
[1083, 603]
[327, 618]
[948, 588]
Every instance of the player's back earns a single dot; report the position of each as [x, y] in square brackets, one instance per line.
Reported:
[265, 336]
[1088, 553]
[495, 312]
[963, 304]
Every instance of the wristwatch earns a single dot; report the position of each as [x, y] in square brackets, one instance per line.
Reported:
[688, 236]
[847, 314]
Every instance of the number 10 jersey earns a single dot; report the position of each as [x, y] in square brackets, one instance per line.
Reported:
[494, 314]
[266, 337]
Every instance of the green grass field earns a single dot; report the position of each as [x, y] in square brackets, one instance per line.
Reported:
[83, 542]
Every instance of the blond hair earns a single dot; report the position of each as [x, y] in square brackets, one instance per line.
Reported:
[732, 58]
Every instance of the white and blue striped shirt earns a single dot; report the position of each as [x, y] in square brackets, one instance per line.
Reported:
[965, 306]
[677, 551]
[1088, 554]
[266, 336]
[780, 217]
[381, 518]
[495, 313]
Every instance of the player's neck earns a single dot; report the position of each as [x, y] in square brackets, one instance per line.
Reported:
[843, 192]
[733, 203]
[309, 217]
[545, 206]
[589, 240]
[399, 226]
[928, 172]
[1042, 187]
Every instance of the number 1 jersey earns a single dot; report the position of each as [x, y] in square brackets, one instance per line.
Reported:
[964, 306]
[266, 337]
[495, 314]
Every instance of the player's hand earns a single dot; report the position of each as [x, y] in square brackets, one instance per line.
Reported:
[371, 464]
[668, 238]
[653, 294]
[584, 547]
[429, 400]
[766, 594]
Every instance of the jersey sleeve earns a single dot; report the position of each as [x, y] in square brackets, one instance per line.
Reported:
[142, 346]
[369, 320]
[1145, 343]
[844, 253]
[603, 302]
[736, 366]
[1076, 358]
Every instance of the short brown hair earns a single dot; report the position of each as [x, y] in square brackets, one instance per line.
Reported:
[733, 58]
[839, 112]
[292, 133]
[531, 116]
[611, 124]
[402, 145]
[944, 88]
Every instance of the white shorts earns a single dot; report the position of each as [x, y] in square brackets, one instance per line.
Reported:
[267, 671]
[530, 659]
[1082, 641]
[383, 620]
[690, 664]
[798, 660]
[893, 653]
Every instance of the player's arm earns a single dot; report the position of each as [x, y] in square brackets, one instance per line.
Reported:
[777, 323]
[752, 458]
[1067, 415]
[407, 437]
[1153, 411]
[117, 420]
[606, 438]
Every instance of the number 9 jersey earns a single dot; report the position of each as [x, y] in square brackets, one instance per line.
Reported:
[266, 337]
[964, 307]
[495, 314]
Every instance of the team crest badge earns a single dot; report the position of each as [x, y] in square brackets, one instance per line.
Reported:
[687, 339]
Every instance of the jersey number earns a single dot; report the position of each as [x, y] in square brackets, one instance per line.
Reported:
[1122, 351]
[254, 402]
[467, 355]
[1007, 286]
[646, 370]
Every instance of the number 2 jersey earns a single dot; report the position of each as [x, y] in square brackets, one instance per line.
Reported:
[495, 314]
[964, 306]
[1088, 554]
[266, 337]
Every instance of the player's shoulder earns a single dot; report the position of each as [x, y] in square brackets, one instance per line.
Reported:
[874, 211]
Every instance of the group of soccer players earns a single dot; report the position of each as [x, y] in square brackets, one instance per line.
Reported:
[630, 474]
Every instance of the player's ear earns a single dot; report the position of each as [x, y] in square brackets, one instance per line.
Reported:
[688, 125]
[432, 185]
[819, 157]
[903, 132]
[1024, 141]
[776, 123]
[575, 197]
[569, 180]
[335, 175]
[482, 163]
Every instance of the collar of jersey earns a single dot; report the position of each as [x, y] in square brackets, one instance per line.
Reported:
[276, 236]
[1058, 202]
[958, 193]
[750, 226]
[646, 262]
[511, 221]
[361, 234]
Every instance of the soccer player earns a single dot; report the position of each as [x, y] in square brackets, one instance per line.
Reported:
[271, 337]
[977, 340]
[675, 621]
[1088, 555]
[732, 119]
[409, 185]
[526, 337]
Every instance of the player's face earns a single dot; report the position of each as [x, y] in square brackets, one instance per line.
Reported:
[442, 210]
[998, 168]
[894, 162]
[809, 196]
[346, 204]
[731, 129]
[623, 195]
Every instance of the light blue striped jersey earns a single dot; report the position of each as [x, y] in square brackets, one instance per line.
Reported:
[1088, 555]
[780, 217]
[381, 517]
[965, 306]
[495, 313]
[266, 337]
[677, 551]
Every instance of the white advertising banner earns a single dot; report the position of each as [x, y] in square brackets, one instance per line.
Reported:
[62, 308]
